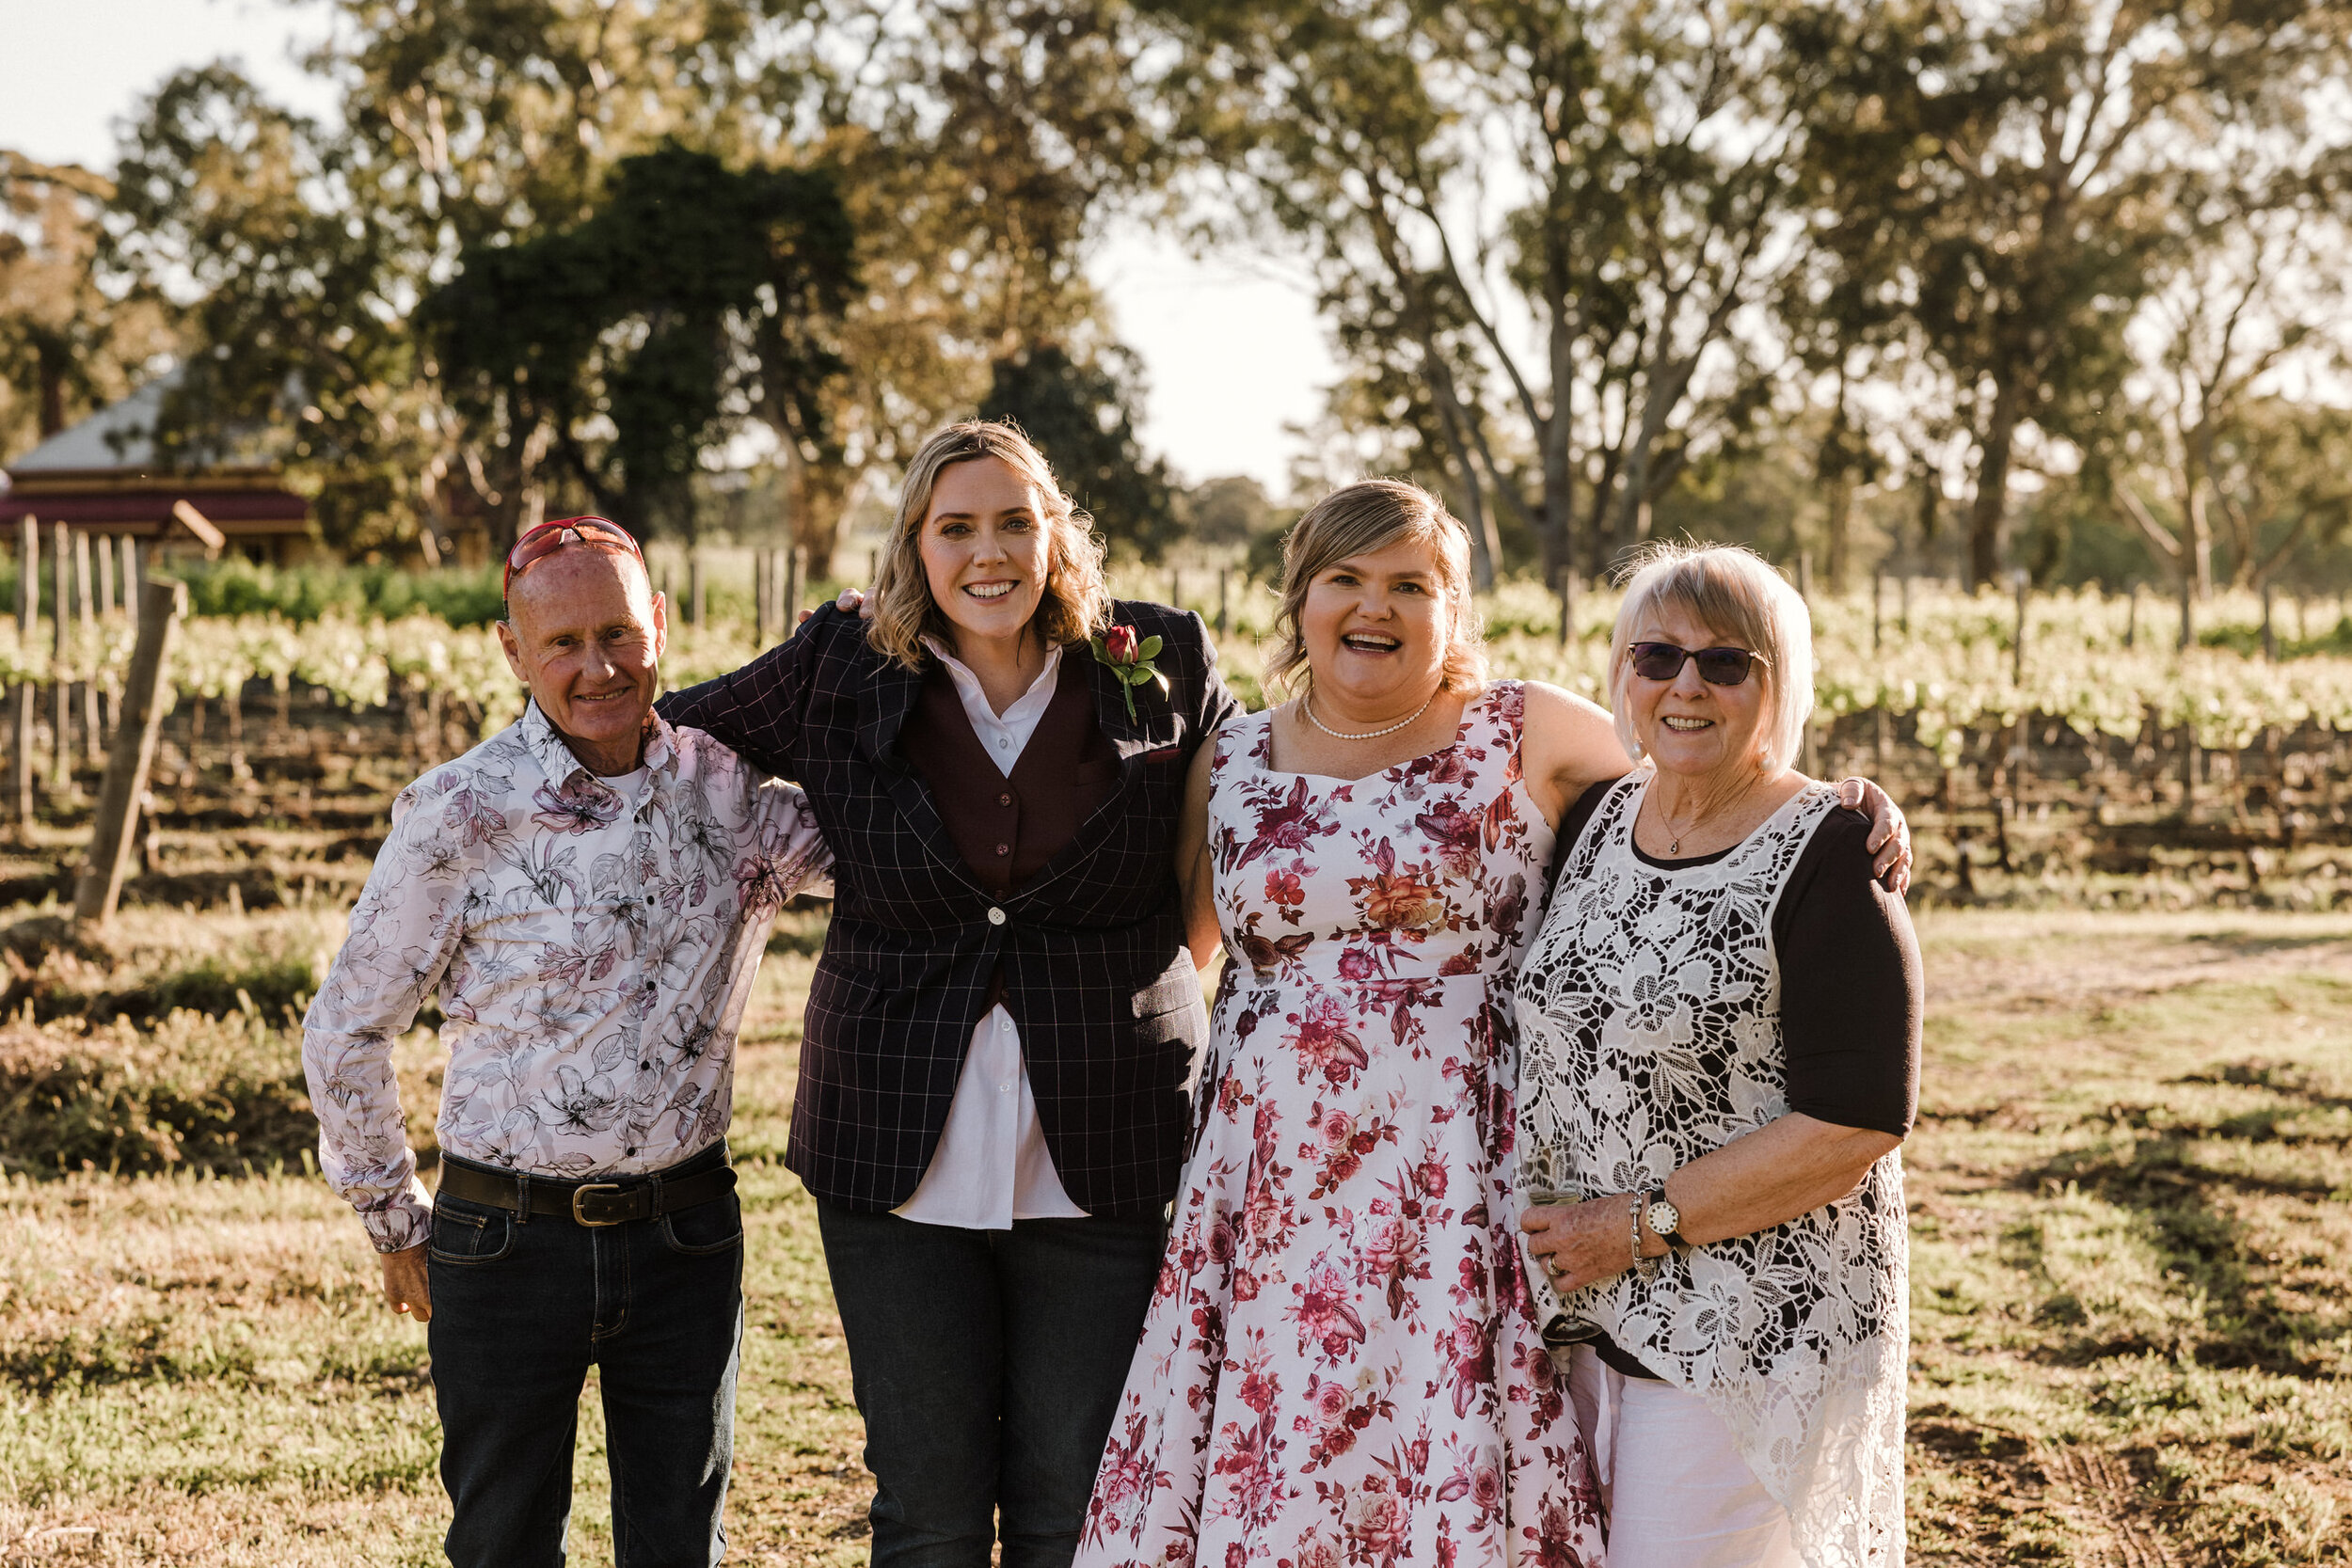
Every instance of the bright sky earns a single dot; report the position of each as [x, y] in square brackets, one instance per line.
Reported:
[1231, 346]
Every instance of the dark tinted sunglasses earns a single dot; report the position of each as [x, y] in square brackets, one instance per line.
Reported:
[1662, 661]
[551, 536]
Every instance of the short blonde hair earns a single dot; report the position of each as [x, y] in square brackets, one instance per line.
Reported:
[1076, 605]
[1364, 518]
[1734, 593]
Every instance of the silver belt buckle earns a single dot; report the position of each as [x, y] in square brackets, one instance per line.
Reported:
[579, 1216]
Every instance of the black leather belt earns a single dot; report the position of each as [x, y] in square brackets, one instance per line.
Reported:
[592, 1203]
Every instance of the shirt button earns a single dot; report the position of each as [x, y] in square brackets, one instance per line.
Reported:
[995, 917]
[1002, 741]
[1004, 849]
[1005, 800]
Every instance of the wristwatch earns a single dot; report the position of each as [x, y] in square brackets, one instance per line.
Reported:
[1664, 1220]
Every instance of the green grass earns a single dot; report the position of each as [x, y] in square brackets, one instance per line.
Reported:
[2132, 1302]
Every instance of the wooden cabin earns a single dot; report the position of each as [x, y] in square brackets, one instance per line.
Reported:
[102, 477]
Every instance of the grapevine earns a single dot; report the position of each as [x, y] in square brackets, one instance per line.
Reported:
[1949, 667]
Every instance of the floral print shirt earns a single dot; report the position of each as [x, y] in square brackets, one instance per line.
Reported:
[592, 942]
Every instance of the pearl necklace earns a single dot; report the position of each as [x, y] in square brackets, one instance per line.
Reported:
[1307, 706]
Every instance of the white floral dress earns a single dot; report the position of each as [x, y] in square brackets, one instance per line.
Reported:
[1342, 1364]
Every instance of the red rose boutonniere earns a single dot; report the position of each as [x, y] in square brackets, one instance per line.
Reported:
[1130, 660]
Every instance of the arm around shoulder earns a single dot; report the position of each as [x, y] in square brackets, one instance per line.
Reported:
[755, 710]
[1567, 745]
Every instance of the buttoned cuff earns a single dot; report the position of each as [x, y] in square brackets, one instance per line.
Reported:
[404, 1221]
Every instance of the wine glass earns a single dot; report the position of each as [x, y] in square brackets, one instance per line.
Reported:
[1543, 1180]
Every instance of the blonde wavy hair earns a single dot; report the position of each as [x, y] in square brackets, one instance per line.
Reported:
[1077, 604]
[1365, 518]
[1736, 594]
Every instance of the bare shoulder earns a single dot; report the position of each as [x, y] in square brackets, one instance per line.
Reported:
[1555, 708]
[1571, 743]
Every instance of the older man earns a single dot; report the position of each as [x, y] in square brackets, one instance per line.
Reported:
[590, 890]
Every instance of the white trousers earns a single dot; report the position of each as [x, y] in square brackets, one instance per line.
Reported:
[1677, 1492]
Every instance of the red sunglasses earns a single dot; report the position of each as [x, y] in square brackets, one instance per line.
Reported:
[538, 543]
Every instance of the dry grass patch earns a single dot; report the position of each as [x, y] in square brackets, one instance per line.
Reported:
[2132, 1301]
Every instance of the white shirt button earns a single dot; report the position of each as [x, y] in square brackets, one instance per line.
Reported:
[1002, 741]
[995, 917]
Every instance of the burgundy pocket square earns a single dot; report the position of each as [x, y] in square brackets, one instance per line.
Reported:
[1165, 753]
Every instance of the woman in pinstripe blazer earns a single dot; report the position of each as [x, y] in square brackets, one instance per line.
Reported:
[991, 1111]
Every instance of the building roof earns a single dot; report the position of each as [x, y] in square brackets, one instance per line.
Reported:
[104, 473]
[117, 439]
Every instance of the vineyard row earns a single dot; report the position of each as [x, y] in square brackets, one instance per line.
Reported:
[1945, 670]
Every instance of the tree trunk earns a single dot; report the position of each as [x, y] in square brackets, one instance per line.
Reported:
[1486, 543]
[1837, 526]
[1988, 513]
[1559, 498]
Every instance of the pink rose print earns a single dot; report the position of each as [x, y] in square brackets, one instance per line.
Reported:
[1326, 1042]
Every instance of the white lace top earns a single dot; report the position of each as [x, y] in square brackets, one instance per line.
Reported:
[1649, 1025]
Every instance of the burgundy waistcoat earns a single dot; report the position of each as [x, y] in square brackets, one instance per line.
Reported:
[1008, 828]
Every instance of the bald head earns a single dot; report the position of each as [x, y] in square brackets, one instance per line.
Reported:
[586, 632]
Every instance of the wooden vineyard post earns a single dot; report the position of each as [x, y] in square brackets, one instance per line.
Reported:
[87, 612]
[1224, 598]
[2270, 637]
[107, 583]
[2188, 617]
[2131, 619]
[1176, 587]
[1878, 614]
[1902, 604]
[2017, 651]
[791, 616]
[762, 559]
[61, 690]
[146, 696]
[1567, 604]
[27, 621]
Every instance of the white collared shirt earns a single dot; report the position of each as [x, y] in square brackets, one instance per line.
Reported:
[992, 1166]
[593, 942]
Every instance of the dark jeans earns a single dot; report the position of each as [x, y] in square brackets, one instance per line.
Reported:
[521, 1309]
[988, 1365]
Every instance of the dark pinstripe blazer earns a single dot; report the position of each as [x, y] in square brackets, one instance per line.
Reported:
[1095, 971]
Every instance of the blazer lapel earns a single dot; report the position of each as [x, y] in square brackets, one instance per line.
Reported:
[1153, 726]
[882, 705]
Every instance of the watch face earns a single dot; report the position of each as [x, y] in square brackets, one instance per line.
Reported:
[1665, 1218]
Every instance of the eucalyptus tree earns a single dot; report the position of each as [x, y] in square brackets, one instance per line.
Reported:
[2251, 299]
[2028, 163]
[67, 341]
[1574, 208]
[644, 336]
[972, 146]
[232, 216]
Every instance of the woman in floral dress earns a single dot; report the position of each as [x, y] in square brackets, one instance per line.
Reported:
[1342, 1364]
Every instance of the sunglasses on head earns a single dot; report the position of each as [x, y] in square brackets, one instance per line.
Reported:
[1662, 661]
[557, 533]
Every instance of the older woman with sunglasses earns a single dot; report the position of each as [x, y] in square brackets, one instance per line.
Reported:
[1719, 1032]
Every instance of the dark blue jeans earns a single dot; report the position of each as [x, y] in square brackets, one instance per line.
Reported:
[988, 1365]
[521, 1308]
